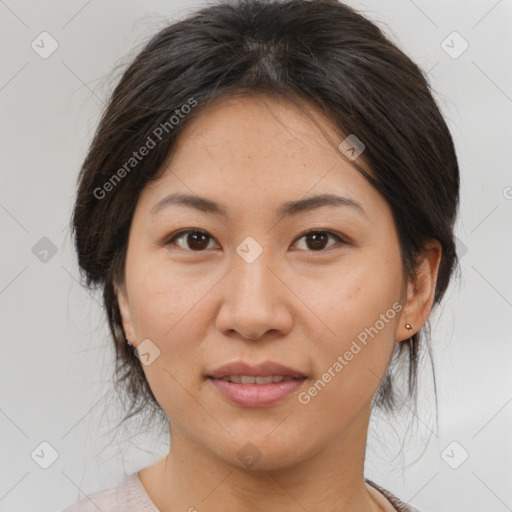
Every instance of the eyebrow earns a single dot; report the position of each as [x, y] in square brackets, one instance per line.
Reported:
[287, 209]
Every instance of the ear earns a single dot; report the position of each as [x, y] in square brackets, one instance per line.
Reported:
[126, 315]
[420, 293]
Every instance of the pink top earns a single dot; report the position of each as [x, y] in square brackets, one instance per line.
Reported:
[131, 496]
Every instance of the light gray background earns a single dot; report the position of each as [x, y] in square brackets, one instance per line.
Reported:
[56, 358]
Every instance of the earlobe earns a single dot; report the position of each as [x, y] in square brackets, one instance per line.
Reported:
[421, 291]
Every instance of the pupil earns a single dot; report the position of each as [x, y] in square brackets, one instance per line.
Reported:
[318, 240]
[198, 240]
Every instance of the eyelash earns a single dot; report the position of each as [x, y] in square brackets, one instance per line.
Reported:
[185, 232]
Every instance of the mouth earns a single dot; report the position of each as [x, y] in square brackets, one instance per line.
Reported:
[248, 379]
[258, 385]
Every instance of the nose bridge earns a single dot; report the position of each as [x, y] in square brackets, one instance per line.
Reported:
[253, 284]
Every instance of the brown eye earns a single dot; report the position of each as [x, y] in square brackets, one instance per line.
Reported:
[194, 240]
[198, 241]
[317, 240]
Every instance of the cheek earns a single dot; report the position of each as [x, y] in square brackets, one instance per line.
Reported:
[167, 308]
[171, 308]
[359, 310]
[350, 365]
[164, 298]
[353, 293]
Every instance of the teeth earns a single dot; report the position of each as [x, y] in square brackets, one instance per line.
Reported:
[246, 379]
[265, 380]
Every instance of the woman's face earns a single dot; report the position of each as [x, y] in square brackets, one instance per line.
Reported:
[254, 287]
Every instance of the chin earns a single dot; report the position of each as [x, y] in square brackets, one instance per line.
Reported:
[264, 454]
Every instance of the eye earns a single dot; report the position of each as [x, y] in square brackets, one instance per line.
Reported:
[195, 239]
[317, 239]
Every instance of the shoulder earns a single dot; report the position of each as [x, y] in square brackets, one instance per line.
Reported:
[398, 505]
[128, 496]
[105, 500]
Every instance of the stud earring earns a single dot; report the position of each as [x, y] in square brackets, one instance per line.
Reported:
[408, 326]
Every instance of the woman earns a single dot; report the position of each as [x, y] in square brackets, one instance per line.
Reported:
[268, 205]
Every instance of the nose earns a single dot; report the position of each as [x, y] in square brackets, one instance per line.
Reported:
[255, 301]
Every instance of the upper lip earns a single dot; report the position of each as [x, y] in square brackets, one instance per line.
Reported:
[263, 369]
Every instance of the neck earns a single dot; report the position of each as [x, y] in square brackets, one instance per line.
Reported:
[193, 478]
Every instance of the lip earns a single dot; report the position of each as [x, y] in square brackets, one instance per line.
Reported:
[263, 369]
[256, 395]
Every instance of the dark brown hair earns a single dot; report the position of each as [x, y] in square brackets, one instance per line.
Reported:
[322, 52]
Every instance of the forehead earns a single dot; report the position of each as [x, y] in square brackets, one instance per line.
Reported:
[245, 125]
[259, 133]
[260, 149]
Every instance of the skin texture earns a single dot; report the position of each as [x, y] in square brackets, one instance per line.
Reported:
[296, 304]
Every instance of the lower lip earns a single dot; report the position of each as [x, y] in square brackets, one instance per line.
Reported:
[256, 395]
